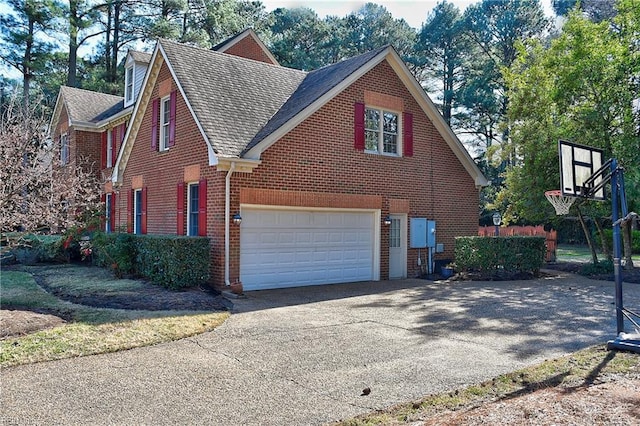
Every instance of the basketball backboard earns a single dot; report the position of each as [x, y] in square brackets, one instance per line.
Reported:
[577, 164]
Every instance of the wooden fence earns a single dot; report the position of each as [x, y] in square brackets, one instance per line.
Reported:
[508, 231]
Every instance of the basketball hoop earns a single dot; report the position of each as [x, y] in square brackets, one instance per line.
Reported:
[561, 203]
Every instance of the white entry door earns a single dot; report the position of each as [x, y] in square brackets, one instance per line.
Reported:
[287, 248]
[398, 247]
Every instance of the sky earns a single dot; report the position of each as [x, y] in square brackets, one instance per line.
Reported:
[412, 11]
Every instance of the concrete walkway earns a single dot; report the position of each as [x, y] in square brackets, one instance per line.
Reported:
[302, 356]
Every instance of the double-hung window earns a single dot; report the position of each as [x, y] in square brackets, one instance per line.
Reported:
[192, 209]
[64, 149]
[109, 152]
[137, 212]
[128, 85]
[381, 131]
[108, 202]
[165, 114]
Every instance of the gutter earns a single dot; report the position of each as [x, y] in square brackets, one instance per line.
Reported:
[227, 214]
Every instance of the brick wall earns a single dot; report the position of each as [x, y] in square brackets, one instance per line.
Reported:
[313, 162]
[250, 49]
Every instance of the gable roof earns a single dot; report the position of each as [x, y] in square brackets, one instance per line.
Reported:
[138, 56]
[316, 84]
[84, 107]
[231, 41]
[241, 98]
[242, 106]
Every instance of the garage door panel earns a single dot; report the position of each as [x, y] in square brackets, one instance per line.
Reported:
[293, 248]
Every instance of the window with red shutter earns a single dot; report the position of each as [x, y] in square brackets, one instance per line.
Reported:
[407, 134]
[180, 209]
[130, 212]
[202, 207]
[358, 126]
[155, 111]
[103, 150]
[172, 119]
[143, 211]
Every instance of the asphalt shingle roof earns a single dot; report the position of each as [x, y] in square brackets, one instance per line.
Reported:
[91, 107]
[140, 56]
[314, 86]
[232, 97]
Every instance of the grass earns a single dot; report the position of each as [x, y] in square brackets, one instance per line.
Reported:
[91, 330]
[577, 369]
[579, 253]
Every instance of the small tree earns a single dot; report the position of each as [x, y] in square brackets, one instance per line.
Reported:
[37, 192]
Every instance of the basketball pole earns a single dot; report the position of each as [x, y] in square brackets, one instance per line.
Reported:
[617, 191]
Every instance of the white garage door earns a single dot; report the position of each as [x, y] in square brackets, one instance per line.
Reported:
[284, 248]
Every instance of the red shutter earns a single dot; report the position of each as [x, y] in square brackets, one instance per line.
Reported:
[358, 124]
[172, 118]
[112, 213]
[180, 209]
[143, 210]
[104, 149]
[407, 134]
[155, 110]
[202, 208]
[123, 131]
[132, 194]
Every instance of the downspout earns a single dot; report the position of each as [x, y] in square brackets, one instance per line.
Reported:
[227, 208]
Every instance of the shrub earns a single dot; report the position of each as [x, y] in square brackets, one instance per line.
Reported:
[115, 251]
[31, 248]
[173, 261]
[635, 240]
[600, 268]
[500, 257]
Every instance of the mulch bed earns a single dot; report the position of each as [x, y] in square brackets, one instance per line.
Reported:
[628, 276]
[150, 297]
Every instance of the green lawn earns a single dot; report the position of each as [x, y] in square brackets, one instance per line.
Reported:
[91, 330]
[578, 253]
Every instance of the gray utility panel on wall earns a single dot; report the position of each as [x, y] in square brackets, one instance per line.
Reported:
[422, 233]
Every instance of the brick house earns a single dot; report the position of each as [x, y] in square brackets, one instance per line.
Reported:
[89, 127]
[298, 178]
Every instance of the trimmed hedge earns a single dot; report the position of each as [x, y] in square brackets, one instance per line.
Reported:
[171, 261]
[500, 257]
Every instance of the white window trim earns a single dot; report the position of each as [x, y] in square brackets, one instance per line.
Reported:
[64, 149]
[137, 208]
[129, 86]
[399, 142]
[164, 127]
[109, 148]
[189, 185]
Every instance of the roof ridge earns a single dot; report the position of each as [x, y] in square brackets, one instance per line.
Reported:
[234, 57]
[94, 92]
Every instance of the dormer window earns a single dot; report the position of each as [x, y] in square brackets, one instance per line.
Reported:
[128, 82]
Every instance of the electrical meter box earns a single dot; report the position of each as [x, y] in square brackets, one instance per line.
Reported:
[418, 230]
[423, 233]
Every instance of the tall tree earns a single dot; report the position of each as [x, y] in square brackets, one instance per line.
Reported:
[581, 88]
[298, 38]
[496, 26]
[220, 19]
[442, 47]
[23, 45]
[81, 15]
[372, 26]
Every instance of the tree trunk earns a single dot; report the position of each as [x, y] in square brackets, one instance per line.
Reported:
[107, 42]
[113, 77]
[625, 230]
[587, 234]
[604, 243]
[73, 43]
[26, 65]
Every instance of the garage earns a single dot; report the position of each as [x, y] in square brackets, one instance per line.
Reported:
[289, 248]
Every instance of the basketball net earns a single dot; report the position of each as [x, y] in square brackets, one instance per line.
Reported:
[561, 203]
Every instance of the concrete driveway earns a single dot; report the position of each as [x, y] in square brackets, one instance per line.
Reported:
[303, 356]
